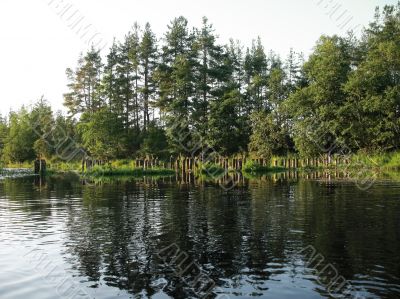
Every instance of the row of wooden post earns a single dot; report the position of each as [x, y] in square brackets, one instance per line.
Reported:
[314, 162]
[89, 163]
[150, 163]
[190, 163]
[193, 163]
[185, 163]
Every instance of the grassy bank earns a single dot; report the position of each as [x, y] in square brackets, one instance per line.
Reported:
[115, 168]
[367, 161]
[26, 164]
[124, 167]
[109, 170]
[382, 161]
[254, 167]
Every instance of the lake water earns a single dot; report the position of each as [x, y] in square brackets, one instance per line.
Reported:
[277, 236]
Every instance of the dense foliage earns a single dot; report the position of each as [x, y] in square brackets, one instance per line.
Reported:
[185, 92]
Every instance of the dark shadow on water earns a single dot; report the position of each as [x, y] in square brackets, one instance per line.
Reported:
[179, 235]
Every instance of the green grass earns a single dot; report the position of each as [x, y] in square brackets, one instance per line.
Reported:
[118, 168]
[377, 162]
[253, 167]
[72, 166]
[26, 164]
[109, 170]
[394, 162]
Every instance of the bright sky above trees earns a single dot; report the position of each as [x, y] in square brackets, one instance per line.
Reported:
[37, 44]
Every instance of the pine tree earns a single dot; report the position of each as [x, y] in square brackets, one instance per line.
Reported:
[133, 42]
[208, 63]
[226, 125]
[293, 70]
[255, 66]
[175, 76]
[126, 78]
[84, 85]
[148, 63]
[110, 84]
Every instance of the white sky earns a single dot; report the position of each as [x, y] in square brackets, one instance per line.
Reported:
[37, 44]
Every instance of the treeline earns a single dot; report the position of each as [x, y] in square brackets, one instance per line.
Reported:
[184, 92]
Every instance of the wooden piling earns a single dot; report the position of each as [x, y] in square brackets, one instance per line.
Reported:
[40, 166]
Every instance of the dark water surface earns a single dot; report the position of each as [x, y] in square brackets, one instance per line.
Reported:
[266, 238]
